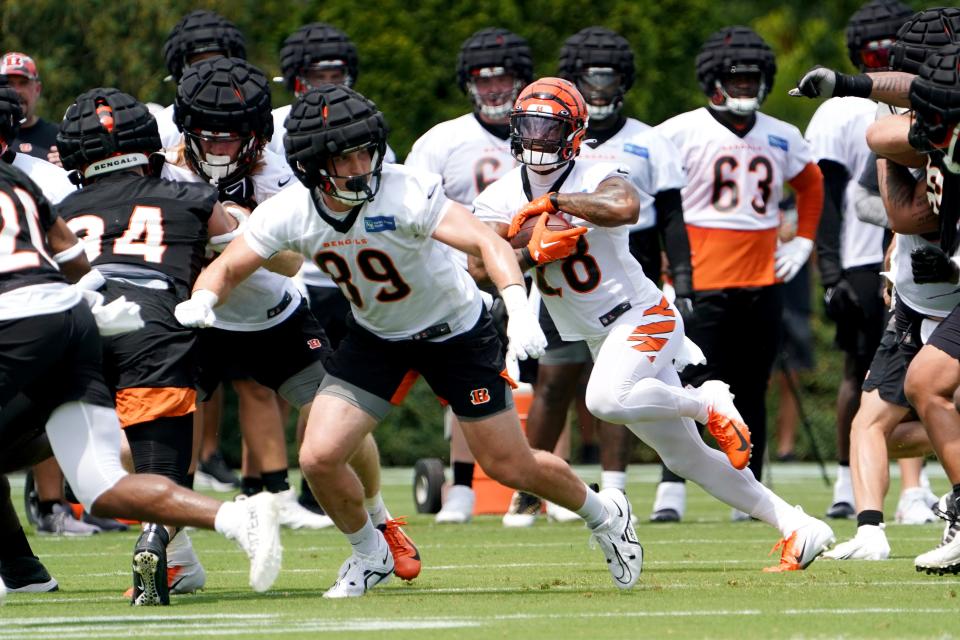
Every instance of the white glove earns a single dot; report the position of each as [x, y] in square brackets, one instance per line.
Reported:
[523, 328]
[816, 83]
[197, 312]
[218, 243]
[120, 316]
[791, 256]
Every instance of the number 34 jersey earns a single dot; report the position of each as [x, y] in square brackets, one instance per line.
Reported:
[734, 188]
[400, 281]
[587, 291]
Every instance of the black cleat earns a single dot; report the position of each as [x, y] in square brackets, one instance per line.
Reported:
[665, 515]
[841, 511]
[26, 574]
[150, 568]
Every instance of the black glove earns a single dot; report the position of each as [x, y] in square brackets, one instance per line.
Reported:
[822, 82]
[930, 264]
[683, 288]
[240, 192]
[840, 301]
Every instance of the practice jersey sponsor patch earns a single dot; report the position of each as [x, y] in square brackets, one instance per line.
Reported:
[637, 150]
[375, 224]
[777, 141]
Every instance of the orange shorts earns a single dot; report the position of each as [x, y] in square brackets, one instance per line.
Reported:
[142, 404]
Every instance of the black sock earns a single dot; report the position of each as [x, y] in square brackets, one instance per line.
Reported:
[463, 473]
[275, 481]
[870, 517]
[306, 494]
[843, 463]
[251, 485]
[46, 507]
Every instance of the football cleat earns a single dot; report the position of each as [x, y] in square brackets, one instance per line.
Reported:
[914, 507]
[618, 540]
[803, 546]
[406, 556]
[26, 574]
[214, 473]
[62, 523]
[259, 536]
[185, 574]
[358, 574]
[670, 502]
[870, 543]
[556, 513]
[523, 510]
[150, 568]
[458, 506]
[725, 423]
[946, 557]
[841, 510]
[294, 515]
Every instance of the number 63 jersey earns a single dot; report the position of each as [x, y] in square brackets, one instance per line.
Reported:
[401, 283]
[734, 188]
[586, 292]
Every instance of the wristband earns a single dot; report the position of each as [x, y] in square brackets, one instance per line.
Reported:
[555, 200]
[860, 85]
[514, 298]
[526, 260]
[68, 254]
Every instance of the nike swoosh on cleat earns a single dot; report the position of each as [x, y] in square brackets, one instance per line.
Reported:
[744, 445]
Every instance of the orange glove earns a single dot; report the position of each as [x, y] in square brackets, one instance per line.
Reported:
[547, 246]
[546, 203]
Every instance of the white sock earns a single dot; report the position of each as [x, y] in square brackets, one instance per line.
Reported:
[593, 512]
[843, 487]
[365, 540]
[229, 517]
[377, 509]
[613, 480]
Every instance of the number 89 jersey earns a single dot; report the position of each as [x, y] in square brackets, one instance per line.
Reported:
[401, 283]
[587, 291]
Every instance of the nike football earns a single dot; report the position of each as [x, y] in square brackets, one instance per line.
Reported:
[554, 223]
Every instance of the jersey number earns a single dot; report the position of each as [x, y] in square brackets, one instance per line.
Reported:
[726, 191]
[10, 258]
[143, 236]
[580, 270]
[374, 265]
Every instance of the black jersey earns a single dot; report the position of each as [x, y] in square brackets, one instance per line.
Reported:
[25, 216]
[128, 219]
[36, 140]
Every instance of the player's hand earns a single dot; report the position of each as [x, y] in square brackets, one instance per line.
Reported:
[791, 256]
[682, 283]
[816, 83]
[197, 312]
[930, 264]
[840, 301]
[118, 317]
[546, 203]
[547, 246]
[526, 339]
[53, 156]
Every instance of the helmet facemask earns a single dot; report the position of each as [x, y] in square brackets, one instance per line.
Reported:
[357, 188]
[876, 55]
[741, 96]
[602, 88]
[937, 136]
[541, 141]
[219, 168]
[320, 73]
[494, 104]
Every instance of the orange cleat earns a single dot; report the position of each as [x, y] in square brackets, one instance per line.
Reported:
[406, 557]
[726, 424]
[803, 546]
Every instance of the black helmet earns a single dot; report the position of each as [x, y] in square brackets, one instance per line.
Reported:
[935, 99]
[876, 21]
[317, 44]
[329, 121]
[609, 55]
[223, 99]
[496, 49]
[735, 50]
[201, 32]
[106, 130]
[923, 34]
[11, 115]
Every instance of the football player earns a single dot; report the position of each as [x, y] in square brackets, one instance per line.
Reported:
[737, 160]
[379, 230]
[600, 294]
[37, 137]
[51, 357]
[469, 153]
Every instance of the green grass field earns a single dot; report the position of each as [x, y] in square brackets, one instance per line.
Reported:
[701, 579]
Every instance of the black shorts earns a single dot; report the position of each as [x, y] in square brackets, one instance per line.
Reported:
[53, 359]
[559, 351]
[162, 354]
[272, 356]
[860, 329]
[888, 369]
[466, 371]
[946, 336]
[330, 307]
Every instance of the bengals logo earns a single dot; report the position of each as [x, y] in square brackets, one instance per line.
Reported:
[314, 343]
[480, 396]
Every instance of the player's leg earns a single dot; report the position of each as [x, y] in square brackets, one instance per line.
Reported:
[20, 570]
[916, 500]
[212, 471]
[459, 499]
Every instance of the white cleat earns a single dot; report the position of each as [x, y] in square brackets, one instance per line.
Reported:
[294, 515]
[803, 546]
[523, 510]
[556, 513]
[259, 536]
[458, 507]
[185, 574]
[914, 507]
[618, 540]
[946, 557]
[870, 543]
[358, 574]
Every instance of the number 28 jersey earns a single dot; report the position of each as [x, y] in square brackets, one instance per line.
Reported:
[585, 292]
[398, 279]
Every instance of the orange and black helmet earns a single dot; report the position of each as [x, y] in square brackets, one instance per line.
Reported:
[548, 123]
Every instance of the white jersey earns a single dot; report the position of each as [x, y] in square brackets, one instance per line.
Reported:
[587, 291]
[838, 132]
[265, 299]
[398, 279]
[170, 135]
[654, 164]
[937, 299]
[53, 181]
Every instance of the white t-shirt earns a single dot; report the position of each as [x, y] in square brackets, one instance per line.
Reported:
[654, 164]
[398, 279]
[53, 181]
[838, 132]
[170, 135]
[253, 304]
[937, 299]
[585, 287]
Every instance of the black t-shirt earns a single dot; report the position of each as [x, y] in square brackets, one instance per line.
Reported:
[36, 140]
[25, 217]
[143, 221]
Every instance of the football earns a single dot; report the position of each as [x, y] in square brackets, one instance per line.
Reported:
[555, 223]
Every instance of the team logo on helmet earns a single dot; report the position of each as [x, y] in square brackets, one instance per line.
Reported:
[731, 52]
[600, 62]
[548, 124]
[318, 49]
[489, 54]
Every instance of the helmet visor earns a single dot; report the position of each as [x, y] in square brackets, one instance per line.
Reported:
[539, 133]
[599, 85]
[875, 54]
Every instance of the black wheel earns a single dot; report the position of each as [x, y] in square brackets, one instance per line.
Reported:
[428, 479]
[31, 501]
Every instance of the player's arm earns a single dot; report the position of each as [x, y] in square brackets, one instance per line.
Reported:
[791, 256]
[226, 223]
[614, 203]
[237, 262]
[673, 232]
[889, 87]
[835, 178]
[905, 199]
[889, 138]
[67, 251]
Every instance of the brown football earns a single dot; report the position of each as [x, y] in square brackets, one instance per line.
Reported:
[554, 223]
